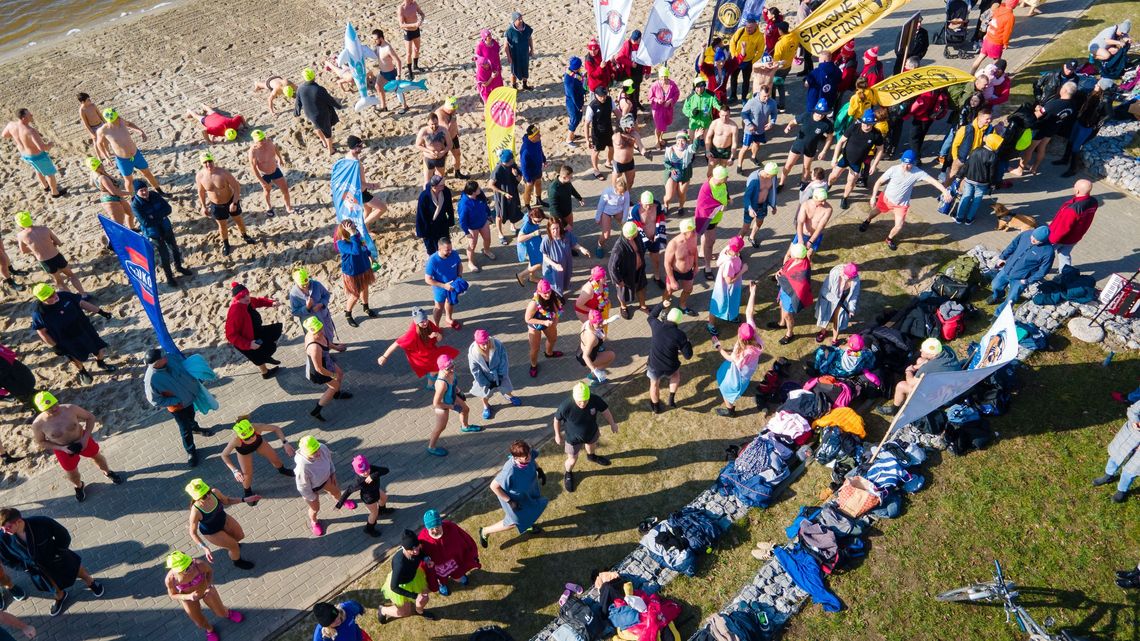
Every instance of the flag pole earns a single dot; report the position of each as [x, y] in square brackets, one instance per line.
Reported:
[894, 421]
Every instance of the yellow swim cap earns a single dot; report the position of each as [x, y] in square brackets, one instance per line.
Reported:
[932, 346]
[771, 168]
[451, 103]
[819, 194]
[799, 250]
[629, 229]
[309, 75]
[646, 197]
[257, 134]
[205, 157]
[309, 445]
[243, 428]
[300, 276]
[44, 401]
[720, 173]
[581, 392]
[231, 134]
[313, 324]
[178, 561]
[24, 219]
[110, 115]
[93, 163]
[289, 91]
[197, 488]
[688, 225]
[663, 72]
[43, 291]
[675, 315]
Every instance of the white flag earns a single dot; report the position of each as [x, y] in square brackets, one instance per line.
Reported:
[611, 17]
[669, 24]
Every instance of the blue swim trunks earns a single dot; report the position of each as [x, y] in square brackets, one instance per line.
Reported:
[127, 166]
[814, 246]
[41, 162]
[757, 137]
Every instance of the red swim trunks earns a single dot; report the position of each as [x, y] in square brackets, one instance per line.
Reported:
[216, 124]
[69, 461]
[885, 206]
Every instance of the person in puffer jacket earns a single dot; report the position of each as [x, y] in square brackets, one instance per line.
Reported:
[153, 213]
[1024, 261]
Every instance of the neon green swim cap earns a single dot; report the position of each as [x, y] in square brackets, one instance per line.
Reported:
[43, 291]
[300, 276]
[178, 561]
[819, 194]
[646, 197]
[688, 225]
[93, 163]
[44, 401]
[581, 392]
[309, 445]
[313, 324]
[675, 315]
[258, 135]
[309, 75]
[205, 157]
[243, 428]
[24, 219]
[231, 134]
[289, 91]
[771, 168]
[720, 173]
[197, 488]
[110, 115]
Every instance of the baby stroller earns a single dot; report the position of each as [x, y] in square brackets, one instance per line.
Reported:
[955, 34]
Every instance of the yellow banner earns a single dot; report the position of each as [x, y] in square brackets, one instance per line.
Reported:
[911, 83]
[499, 120]
[836, 21]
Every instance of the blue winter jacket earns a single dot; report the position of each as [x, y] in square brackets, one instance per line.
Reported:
[1026, 261]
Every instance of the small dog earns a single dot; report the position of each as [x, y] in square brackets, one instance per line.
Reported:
[1012, 222]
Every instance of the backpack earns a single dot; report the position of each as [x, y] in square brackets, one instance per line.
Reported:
[990, 398]
[951, 288]
[969, 436]
[581, 621]
[490, 633]
[964, 269]
[950, 315]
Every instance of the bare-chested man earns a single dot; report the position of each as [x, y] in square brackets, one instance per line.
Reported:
[265, 160]
[764, 73]
[411, 19]
[91, 119]
[112, 198]
[373, 206]
[67, 431]
[41, 242]
[626, 140]
[388, 66]
[34, 150]
[759, 200]
[448, 119]
[128, 157]
[813, 217]
[276, 86]
[681, 264]
[435, 143]
[219, 194]
[721, 141]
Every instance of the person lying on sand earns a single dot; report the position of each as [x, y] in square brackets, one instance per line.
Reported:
[216, 125]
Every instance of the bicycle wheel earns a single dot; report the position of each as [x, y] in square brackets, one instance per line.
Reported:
[970, 593]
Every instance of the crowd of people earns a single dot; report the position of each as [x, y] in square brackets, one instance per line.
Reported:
[739, 99]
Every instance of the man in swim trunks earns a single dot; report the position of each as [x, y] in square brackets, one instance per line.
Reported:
[899, 184]
[7, 271]
[447, 117]
[759, 200]
[265, 160]
[276, 86]
[216, 126]
[720, 141]
[39, 241]
[388, 63]
[91, 118]
[111, 198]
[219, 194]
[813, 217]
[373, 206]
[625, 141]
[34, 150]
[68, 432]
[681, 264]
[815, 131]
[128, 157]
[411, 19]
[433, 141]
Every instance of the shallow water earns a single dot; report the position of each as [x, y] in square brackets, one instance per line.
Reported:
[24, 22]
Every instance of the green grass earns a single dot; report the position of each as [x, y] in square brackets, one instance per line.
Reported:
[1026, 501]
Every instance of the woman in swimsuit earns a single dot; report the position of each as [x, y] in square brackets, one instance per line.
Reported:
[276, 86]
[595, 294]
[191, 583]
[320, 366]
[247, 442]
[593, 353]
[447, 398]
[111, 197]
[542, 320]
[208, 519]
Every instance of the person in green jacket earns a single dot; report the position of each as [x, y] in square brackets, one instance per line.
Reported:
[699, 108]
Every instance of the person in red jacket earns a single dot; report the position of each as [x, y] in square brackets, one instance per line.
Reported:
[845, 59]
[1072, 221]
[245, 331]
[772, 19]
[599, 73]
[624, 67]
[452, 552]
[718, 74]
[872, 67]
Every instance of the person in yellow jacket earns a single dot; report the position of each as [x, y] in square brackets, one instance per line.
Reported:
[968, 138]
[783, 54]
[746, 45]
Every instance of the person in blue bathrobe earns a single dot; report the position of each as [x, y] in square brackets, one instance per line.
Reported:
[532, 160]
[573, 86]
[517, 487]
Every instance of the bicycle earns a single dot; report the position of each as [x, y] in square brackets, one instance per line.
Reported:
[1005, 592]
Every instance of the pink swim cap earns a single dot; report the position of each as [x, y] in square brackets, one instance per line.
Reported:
[443, 362]
[851, 270]
[598, 273]
[855, 343]
[746, 332]
[482, 336]
[360, 464]
[735, 244]
[484, 33]
[544, 287]
[595, 317]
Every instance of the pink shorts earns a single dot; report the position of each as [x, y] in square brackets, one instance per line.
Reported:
[992, 50]
[885, 206]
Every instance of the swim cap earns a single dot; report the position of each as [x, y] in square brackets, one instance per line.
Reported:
[443, 362]
[360, 464]
[594, 317]
[178, 561]
[43, 291]
[197, 488]
[819, 194]
[771, 168]
[932, 346]
[110, 115]
[851, 270]
[432, 519]
[868, 116]
[300, 276]
[451, 103]
[720, 56]
[506, 155]
[598, 273]
[909, 157]
[992, 141]
[663, 72]
[313, 324]
[688, 225]
[231, 134]
[626, 122]
[629, 229]
[309, 445]
[675, 315]
[646, 197]
[205, 157]
[581, 392]
[720, 173]
[543, 287]
[93, 163]
[799, 250]
[855, 343]
[243, 428]
[735, 244]
[628, 84]
[24, 219]
[44, 401]
[309, 75]
[821, 106]
[289, 91]
[746, 332]
[699, 82]
[257, 135]
[482, 337]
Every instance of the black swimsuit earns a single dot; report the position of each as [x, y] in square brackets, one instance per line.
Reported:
[245, 449]
[213, 521]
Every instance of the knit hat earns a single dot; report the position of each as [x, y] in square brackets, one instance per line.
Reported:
[139, 183]
[993, 141]
[635, 35]
[325, 613]
[237, 289]
[1041, 234]
[432, 519]
[872, 54]
[575, 63]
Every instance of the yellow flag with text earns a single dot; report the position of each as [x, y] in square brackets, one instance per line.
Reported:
[836, 21]
[499, 120]
[911, 83]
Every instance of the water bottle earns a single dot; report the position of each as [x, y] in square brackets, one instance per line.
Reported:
[1107, 359]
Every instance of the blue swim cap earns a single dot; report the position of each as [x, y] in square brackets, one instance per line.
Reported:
[869, 116]
[636, 35]
[506, 155]
[909, 157]
[821, 106]
[720, 56]
[575, 63]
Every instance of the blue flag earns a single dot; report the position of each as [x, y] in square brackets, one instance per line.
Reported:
[348, 198]
[136, 255]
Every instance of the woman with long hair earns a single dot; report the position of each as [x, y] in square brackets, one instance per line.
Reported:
[355, 268]
[420, 344]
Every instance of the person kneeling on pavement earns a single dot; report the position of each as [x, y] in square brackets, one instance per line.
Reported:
[1123, 455]
[1025, 261]
[933, 357]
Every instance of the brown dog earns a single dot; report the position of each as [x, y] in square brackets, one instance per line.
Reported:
[1012, 222]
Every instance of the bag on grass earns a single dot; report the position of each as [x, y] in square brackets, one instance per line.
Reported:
[951, 288]
[857, 496]
[581, 621]
[952, 316]
[752, 491]
[964, 269]
[490, 633]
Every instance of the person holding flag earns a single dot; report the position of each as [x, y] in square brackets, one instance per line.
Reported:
[933, 357]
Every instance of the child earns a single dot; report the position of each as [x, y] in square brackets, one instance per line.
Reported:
[559, 195]
[371, 494]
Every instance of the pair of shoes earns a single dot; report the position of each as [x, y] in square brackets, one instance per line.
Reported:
[437, 451]
[598, 459]
[567, 482]
[487, 413]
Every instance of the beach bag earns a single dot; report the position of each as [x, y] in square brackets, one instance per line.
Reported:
[857, 497]
[951, 288]
[490, 633]
[964, 269]
[950, 315]
[581, 621]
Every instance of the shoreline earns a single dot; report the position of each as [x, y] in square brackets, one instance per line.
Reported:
[15, 51]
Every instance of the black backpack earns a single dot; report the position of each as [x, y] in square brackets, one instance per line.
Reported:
[584, 617]
[948, 287]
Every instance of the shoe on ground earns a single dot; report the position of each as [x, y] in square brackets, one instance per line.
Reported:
[212, 636]
[350, 320]
[192, 459]
[371, 530]
[725, 411]
[18, 593]
[96, 589]
[655, 407]
[116, 478]
[57, 606]
[270, 373]
[437, 451]
[85, 377]
[534, 371]
[317, 528]
[81, 492]
[516, 401]
[865, 225]
[487, 413]
[444, 590]
[784, 340]
[384, 510]
[1103, 480]
[892, 245]
[482, 539]
[235, 616]
[226, 249]
[470, 429]
[844, 203]
[1120, 574]
[598, 459]
[1119, 497]
[567, 484]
